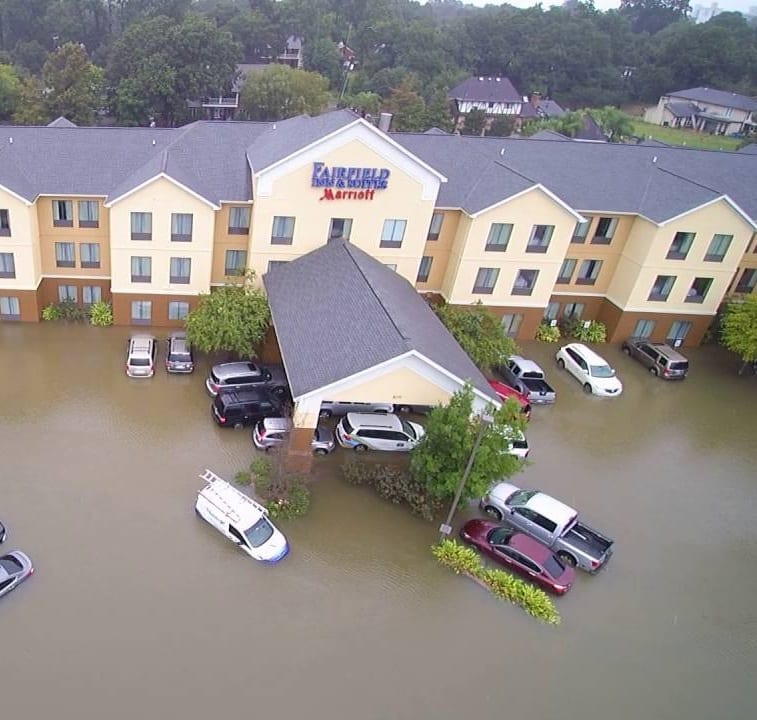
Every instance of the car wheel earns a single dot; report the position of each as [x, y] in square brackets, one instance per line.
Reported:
[493, 512]
[654, 371]
[320, 451]
[567, 559]
[404, 409]
[587, 388]
[360, 448]
[238, 425]
[561, 363]
[325, 414]
[627, 350]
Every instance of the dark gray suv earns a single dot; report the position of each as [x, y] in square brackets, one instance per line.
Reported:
[243, 375]
[660, 359]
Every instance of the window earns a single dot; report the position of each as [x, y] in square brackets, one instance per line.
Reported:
[10, 308]
[67, 293]
[643, 329]
[141, 226]
[340, 229]
[63, 213]
[282, 231]
[525, 282]
[89, 255]
[91, 294]
[718, 248]
[566, 271]
[181, 227]
[177, 310]
[5, 223]
[573, 311]
[680, 246]
[551, 311]
[89, 214]
[180, 271]
[239, 220]
[580, 231]
[499, 237]
[486, 279]
[392, 233]
[7, 265]
[511, 324]
[436, 226]
[424, 270]
[540, 237]
[605, 230]
[698, 290]
[276, 263]
[64, 254]
[141, 312]
[391, 266]
[141, 269]
[747, 281]
[662, 287]
[588, 272]
[235, 263]
[678, 332]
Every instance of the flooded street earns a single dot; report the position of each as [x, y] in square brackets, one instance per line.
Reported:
[137, 609]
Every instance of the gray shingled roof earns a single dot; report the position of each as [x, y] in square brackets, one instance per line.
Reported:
[60, 121]
[750, 149]
[683, 109]
[338, 311]
[717, 97]
[549, 109]
[486, 89]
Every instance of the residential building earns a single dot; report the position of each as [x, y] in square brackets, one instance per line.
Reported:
[496, 96]
[705, 110]
[647, 239]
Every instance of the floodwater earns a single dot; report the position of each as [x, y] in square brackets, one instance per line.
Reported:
[138, 609]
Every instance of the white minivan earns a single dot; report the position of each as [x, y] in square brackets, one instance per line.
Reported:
[241, 519]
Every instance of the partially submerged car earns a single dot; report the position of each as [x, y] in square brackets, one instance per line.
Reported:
[15, 567]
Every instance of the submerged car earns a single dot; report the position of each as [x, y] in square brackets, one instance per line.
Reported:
[520, 553]
[590, 369]
[660, 359]
[271, 432]
[378, 431]
[179, 357]
[505, 392]
[15, 567]
[140, 356]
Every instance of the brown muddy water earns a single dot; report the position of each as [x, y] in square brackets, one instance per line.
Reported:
[138, 609]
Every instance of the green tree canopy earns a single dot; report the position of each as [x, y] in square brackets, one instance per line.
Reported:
[475, 122]
[738, 330]
[479, 332]
[440, 458]
[281, 92]
[10, 91]
[407, 107]
[233, 318]
[616, 125]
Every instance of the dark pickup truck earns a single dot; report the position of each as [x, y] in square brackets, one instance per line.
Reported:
[527, 378]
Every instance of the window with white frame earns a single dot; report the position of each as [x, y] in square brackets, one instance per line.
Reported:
[239, 220]
[91, 294]
[663, 284]
[235, 262]
[498, 237]
[282, 232]
[511, 324]
[141, 312]
[181, 227]
[340, 229]
[180, 271]
[718, 248]
[63, 213]
[540, 238]
[64, 254]
[5, 223]
[435, 228]
[391, 266]
[605, 230]
[580, 231]
[141, 269]
[141, 226]
[424, 269]
[67, 293]
[89, 255]
[567, 269]
[89, 214]
[679, 248]
[643, 329]
[7, 265]
[393, 233]
[10, 308]
[525, 281]
[588, 272]
[486, 281]
[178, 309]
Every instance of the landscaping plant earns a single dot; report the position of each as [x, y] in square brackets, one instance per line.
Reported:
[101, 313]
[594, 332]
[547, 333]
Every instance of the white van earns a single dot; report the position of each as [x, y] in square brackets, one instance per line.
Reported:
[240, 519]
[378, 431]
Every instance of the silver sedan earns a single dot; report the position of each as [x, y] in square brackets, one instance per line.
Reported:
[15, 567]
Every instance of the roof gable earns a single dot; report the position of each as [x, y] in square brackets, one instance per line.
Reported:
[717, 97]
[486, 89]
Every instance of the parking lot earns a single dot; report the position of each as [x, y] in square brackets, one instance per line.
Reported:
[138, 609]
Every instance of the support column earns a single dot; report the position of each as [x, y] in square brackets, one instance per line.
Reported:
[299, 452]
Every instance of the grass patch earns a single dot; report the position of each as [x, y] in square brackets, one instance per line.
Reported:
[465, 561]
[685, 138]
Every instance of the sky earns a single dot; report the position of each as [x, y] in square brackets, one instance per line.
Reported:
[741, 5]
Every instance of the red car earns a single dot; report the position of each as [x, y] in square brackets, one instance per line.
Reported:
[520, 553]
[505, 392]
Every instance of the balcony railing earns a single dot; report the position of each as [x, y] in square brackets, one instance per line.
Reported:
[223, 102]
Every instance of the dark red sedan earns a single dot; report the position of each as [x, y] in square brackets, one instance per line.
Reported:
[505, 392]
[520, 553]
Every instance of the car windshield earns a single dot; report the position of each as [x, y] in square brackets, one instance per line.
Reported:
[601, 371]
[409, 430]
[139, 362]
[520, 444]
[521, 497]
[259, 533]
[679, 366]
[10, 565]
[181, 356]
[500, 536]
[554, 567]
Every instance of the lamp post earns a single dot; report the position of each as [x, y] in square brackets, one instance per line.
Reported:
[446, 528]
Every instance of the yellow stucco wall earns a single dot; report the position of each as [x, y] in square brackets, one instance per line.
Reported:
[223, 241]
[23, 242]
[161, 197]
[440, 250]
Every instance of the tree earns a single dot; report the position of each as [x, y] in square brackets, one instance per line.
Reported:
[233, 318]
[407, 107]
[30, 109]
[616, 125]
[10, 91]
[439, 460]
[738, 330]
[501, 126]
[653, 15]
[479, 332]
[281, 92]
[475, 122]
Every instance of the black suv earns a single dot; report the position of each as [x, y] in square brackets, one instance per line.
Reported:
[235, 408]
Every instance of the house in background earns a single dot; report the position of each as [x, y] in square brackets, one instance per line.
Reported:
[717, 112]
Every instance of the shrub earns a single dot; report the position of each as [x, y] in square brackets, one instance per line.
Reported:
[51, 312]
[594, 332]
[69, 310]
[285, 497]
[464, 560]
[548, 333]
[101, 314]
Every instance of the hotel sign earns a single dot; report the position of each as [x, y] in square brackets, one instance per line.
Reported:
[348, 183]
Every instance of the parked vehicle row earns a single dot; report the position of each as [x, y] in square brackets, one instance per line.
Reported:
[142, 351]
[15, 567]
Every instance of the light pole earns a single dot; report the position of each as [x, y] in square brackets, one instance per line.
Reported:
[483, 421]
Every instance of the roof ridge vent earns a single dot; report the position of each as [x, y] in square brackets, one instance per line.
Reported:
[654, 160]
[10, 140]
[153, 141]
[273, 127]
[502, 151]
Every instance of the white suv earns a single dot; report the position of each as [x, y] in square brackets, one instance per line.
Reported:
[590, 369]
[378, 431]
[140, 356]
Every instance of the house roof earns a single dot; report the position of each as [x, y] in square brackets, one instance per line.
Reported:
[683, 109]
[590, 130]
[549, 109]
[750, 149]
[340, 288]
[60, 121]
[717, 97]
[486, 89]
